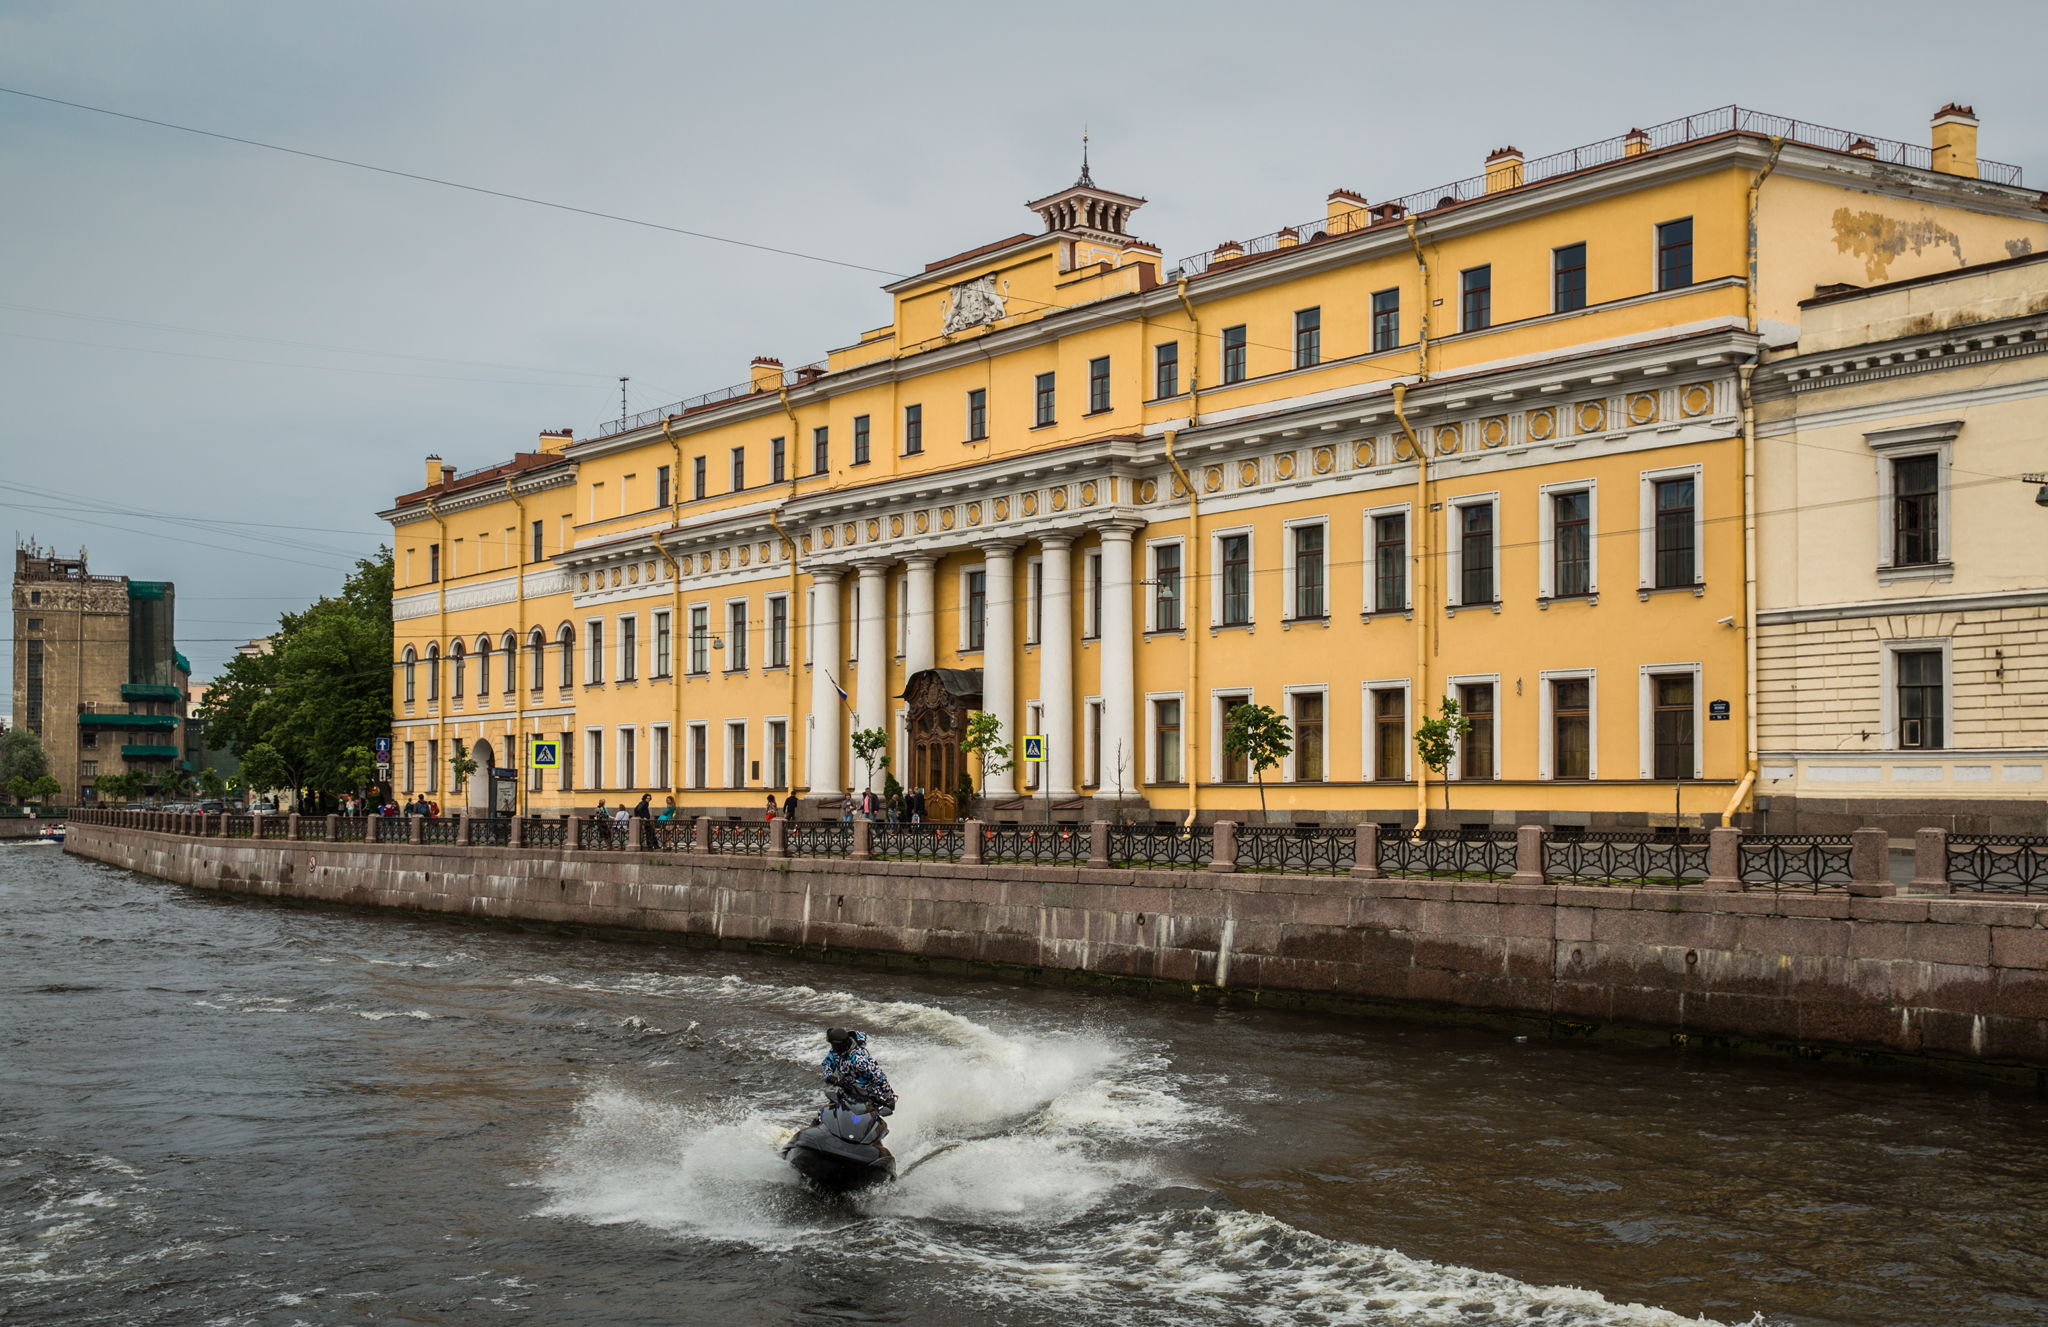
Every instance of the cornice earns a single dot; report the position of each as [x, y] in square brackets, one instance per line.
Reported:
[1874, 361]
[1913, 607]
[554, 477]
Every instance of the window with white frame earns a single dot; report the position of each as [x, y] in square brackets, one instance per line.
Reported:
[902, 618]
[1307, 571]
[629, 755]
[973, 607]
[1567, 566]
[1568, 735]
[700, 639]
[735, 635]
[1091, 595]
[1308, 714]
[1918, 703]
[593, 670]
[1169, 611]
[699, 736]
[1472, 545]
[1669, 720]
[778, 631]
[1233, 579]
[1387, 749]
[1034, 722]
[593, 755]
[1913, 498]
[1091, 742]
[1389, 575]
[1673, 528]
[1226, 766]
[736, 753]
[629, 648]
[658, 770]
[778, 753]
[1478, 755]
[1034, 600]
[664, 644]
[810, 625]
[1163, 737]
[850, 631]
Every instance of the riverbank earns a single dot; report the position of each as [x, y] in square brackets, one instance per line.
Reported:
[1956, 982]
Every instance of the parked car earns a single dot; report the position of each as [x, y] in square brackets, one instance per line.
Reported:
[213, 807]
[264, 808]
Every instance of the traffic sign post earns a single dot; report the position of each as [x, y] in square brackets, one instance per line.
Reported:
[541, 753]
[1034, 754]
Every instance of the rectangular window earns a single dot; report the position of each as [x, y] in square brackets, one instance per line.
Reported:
[1390, 562]
[1571, 728]
[1234, 561]
[1042, 397]
[1098, 385]
[1475, 298]
[1034, 722]
[629, 648]
[539, 534]
[1386, 319]
[661, 494]
[1916, 511]
[1675, 555]
[860, 439]
[778, 461]
[433, 765]
[1091, 743]
[1671, 725]
[1308, 338]
[977, 414]
[567, 778]
[1674, 254]
[1920, 700]
[1571, 543]
[596, 761]
[1091, 623]
[821, 451]
[1166, 596]
[433, 562]
[1389, 734]
[977, 609]
[411, 769]
[736, 636]
[629, 774]
[664, 649]
[1166, 369]
[700, 640]
[700, 756]
[1034, 602]
[1568, 278]
[736, 755]
[1475, 752]
[1308, 738]
[1310, 599]
[778, 631]
[913, 430]
[1233, 768]
[739, 469]
[1233, 353]
[593, 671]
[1166, 741]
[778, 753]
[658, 772]
[1475, 553]
[700, 479]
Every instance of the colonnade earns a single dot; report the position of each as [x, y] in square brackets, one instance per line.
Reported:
[829, 739]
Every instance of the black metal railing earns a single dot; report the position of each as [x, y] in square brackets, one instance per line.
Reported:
[275, 827]
[604, 834]
[1794, 861]
[490, 833]
[349, 829]
[438, 829]
[1626, 857]
[1161, 845]
[648, 418]
[1998, 864]
[739, 836]
[241, 827]
[671, 835]
[1459, 851]
[546, 833]
[820, 838]
[1315, 849]
[939, 841]
[1034, 843]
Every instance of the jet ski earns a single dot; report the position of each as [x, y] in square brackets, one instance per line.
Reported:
[842, 1149]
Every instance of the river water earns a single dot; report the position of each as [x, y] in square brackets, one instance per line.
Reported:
[216, 1111]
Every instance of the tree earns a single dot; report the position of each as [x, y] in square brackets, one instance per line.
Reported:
[173, 782]
[1261, 736]
[1436, 742]
[114, 787]
[984, 742]
[263, 768]
[358, 766]
[210, 782]
[324, 687]
[21, 757]
[45, 788]
[868, 746]
[461, 764]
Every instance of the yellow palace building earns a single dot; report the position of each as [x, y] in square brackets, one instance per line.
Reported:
[1491, 441]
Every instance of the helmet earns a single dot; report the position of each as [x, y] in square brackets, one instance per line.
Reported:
[840, 1038]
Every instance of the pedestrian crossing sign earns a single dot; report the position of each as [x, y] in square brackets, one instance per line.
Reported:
[546, 753]
[1034, 747]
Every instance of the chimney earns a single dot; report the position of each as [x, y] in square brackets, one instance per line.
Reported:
[1226, 251]
[765, 373]
[1287, 238]
[436, 472]
[1863, 147]
[1346, 211]
[556, 440]
[1634, 143]
[1955, 140]
[1503, 169]
[1388, 212]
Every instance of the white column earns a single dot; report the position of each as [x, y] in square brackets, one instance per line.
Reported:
[873, 692]
[921, 649]
[999, 658]
[1119, 680]
[828, 733]
[1056, 661]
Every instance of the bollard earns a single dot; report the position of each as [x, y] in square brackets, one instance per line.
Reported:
[257, 824]
[1930, 862]
[1365, 851]
[515, 837]
[416, 829]
[332, 829]
[1724, 859]
[701, 839]
[291, 827]
[970, 843]
[371, 824]
[1098, 845]
[1529, 856]
[220, 826]
[778, 837]
[863, 839]
[462, 829]
[1223, 857]
[1870, 864]
[572, 837]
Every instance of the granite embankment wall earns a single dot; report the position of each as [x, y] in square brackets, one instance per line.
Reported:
[1962, 980]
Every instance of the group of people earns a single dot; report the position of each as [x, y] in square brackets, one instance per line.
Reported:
[905, 808]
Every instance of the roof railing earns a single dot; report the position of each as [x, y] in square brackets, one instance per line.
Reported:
[797, 376]
[1686, 129]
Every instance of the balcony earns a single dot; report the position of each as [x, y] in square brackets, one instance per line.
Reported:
[158, 722]
[148, 691]
[140, 751]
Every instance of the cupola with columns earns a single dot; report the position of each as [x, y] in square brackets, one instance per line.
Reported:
[1093, 222]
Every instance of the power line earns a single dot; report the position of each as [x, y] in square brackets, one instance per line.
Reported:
[274, 364]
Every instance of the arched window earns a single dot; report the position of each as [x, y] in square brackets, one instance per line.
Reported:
[410, 662]
[511, 644]
[537, 667]
[456, 668]
[567, 636]
[483, 667]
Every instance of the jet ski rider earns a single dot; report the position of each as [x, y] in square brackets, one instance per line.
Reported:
[848, 1066]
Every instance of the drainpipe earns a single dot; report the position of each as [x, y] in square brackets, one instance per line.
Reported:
[790, 548]
[1423, 602]
[440, 633]
[675, 597]
[518, 645]
[1743, 374]
[1190, 730]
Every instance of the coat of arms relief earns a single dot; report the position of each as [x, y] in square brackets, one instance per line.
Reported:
[975, 303]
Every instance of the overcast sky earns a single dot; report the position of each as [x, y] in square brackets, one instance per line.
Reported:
[313, 331]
